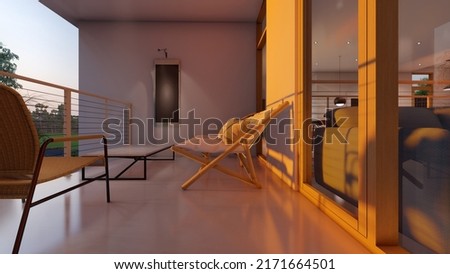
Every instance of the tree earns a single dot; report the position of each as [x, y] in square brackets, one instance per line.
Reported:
[41, 117]
[7, 58]
[51, 122]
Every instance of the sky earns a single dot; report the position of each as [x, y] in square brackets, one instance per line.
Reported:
[47, 45]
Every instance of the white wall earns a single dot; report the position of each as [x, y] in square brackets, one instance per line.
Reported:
[218, 64]
[281, 85]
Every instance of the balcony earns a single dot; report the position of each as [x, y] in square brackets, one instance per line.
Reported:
[217, 215]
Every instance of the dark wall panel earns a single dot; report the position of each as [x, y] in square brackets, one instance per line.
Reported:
[167, 93]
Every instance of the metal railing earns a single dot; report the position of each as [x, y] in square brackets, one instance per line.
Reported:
[325, 91]
[322, 103]
[62, 111]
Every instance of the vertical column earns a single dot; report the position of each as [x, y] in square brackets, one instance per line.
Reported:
[378, 119]
[67, 121]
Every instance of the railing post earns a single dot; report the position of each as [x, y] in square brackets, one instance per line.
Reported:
[127, 126]
[67, 129]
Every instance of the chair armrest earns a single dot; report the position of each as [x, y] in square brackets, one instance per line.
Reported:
[76, 138]
[44, 145]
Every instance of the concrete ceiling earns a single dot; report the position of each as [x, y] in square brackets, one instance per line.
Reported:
[156, 10]
[334, 25]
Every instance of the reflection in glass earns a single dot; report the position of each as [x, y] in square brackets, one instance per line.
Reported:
[424, 125]
[334, 100]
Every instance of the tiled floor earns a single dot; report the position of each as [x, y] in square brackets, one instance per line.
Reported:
[215, 215]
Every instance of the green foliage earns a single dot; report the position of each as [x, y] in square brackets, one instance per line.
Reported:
[51, 123]
[421, 92]
[7, 64]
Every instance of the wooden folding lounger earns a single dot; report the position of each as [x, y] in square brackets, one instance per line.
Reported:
[236, 136]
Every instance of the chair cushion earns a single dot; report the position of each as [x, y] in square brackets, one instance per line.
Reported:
[336, 161]
[425, 145]
[235, 128]
[228, 130]
[15, 187]
[444, 116]
[250, 122]
[409, 117]
[414, 117]
[346, 117]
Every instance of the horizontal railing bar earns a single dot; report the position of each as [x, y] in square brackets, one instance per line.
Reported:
[104, 107]
[90, 108]
[84, 113]
[46, 101]
[429, 82]
[334, 95]
[43, 92]
[93, 102]
[334, 81]
[402, 82]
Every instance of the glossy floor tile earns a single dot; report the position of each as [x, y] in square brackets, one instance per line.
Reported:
[217, 214]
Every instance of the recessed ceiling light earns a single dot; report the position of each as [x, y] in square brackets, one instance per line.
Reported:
[420, 65]
[316, 43]
[348, 42]
[419, 43]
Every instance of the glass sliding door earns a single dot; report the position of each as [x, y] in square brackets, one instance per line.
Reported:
[349, 83]
[424, 128]
[334, 101]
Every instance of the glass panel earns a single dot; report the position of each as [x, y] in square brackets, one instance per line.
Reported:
[263, 143]
[424, 125]
[335, 100]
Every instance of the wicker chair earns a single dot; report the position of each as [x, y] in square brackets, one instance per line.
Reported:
[22, 162]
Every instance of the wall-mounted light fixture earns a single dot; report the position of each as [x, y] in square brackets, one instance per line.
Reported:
[165, 52]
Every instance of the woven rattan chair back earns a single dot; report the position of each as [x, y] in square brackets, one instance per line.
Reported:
[19, 142]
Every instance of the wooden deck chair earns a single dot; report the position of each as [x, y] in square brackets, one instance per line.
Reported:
[22, 162]
[237, 136]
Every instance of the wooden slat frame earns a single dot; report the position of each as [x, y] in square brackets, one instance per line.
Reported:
[376, 223]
